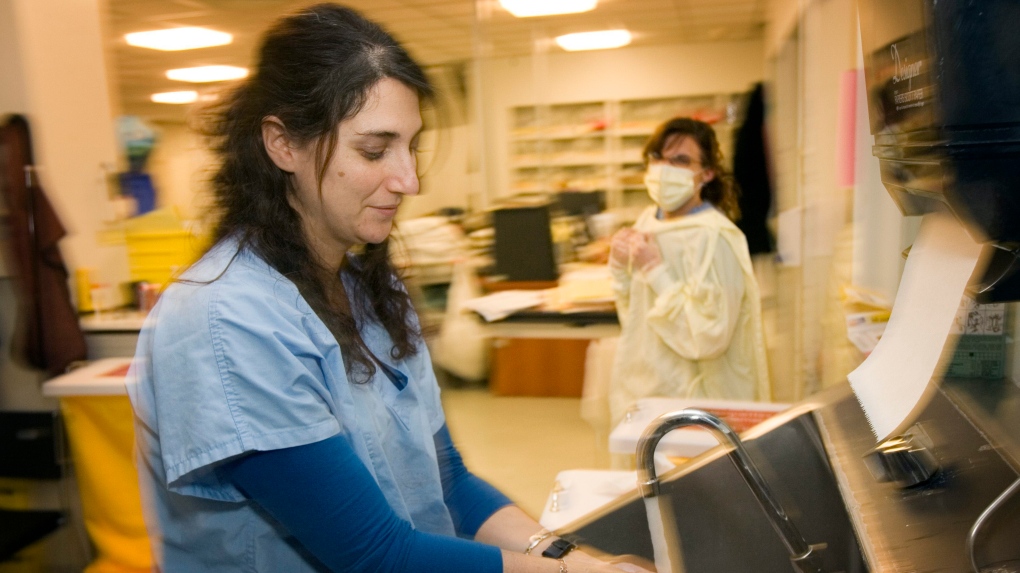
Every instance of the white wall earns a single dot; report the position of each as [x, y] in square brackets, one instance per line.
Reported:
[181, 166]
[12, 91]
[811, 44]
[55, 58]
[881, 232]
[54, 72]
[628, 73]
[782, 20]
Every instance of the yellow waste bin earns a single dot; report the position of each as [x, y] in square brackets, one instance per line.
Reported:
[100, 429]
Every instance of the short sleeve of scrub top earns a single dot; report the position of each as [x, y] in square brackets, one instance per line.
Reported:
[243, 364]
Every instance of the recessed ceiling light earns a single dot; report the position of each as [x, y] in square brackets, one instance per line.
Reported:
[174, 39]
[600, 40]
[175, 97]
[528, 8]
[207, 74]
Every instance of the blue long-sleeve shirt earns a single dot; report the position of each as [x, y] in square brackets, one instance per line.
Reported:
[324, 496]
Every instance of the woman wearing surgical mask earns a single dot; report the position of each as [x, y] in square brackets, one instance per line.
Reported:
[685, 291]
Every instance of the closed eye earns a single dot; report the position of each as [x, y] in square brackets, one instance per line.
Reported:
[372, 155]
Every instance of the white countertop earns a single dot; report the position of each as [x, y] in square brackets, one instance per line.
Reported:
[582, 492]
[577, 493]
[101, 378]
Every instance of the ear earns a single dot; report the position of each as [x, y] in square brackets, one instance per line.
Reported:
[278, 144]
[706, 176]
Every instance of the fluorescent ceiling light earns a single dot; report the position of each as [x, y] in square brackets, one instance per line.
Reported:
[207, 74]
[601, 40]
[174, 39]
[175, 97]
[528, 8]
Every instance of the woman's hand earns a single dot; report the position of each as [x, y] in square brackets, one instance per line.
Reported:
[619, 249]
[644, 252]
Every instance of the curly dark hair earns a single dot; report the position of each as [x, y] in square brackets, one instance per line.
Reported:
[315, 70]
[721, 191]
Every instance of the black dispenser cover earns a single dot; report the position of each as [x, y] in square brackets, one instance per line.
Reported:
[944, 100]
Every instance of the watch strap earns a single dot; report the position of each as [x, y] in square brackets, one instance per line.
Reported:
[558, 549]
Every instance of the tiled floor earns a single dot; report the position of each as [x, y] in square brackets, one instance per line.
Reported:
[520, 444]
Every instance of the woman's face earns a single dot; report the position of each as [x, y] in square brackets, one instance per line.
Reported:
[682, 150]
[374, 165]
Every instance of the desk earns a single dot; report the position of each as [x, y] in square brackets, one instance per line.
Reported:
[100, 428]
[538, 353]
[558, 325]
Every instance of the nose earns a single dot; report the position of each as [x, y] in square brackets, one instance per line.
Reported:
[404, 179]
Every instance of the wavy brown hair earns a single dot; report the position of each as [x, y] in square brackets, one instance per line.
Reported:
[721, 191]
[315, 70]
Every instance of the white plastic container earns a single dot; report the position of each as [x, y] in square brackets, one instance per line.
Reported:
[687, 442]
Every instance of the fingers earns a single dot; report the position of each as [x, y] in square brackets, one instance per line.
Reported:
[620, 247]
[633, 248]
[625, 232]
[646, 253]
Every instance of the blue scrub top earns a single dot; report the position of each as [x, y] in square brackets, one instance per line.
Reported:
[241, 364]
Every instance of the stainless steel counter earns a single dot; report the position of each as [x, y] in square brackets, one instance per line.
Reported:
[922, 529]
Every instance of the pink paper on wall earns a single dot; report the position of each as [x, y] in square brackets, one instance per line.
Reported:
[846, 128]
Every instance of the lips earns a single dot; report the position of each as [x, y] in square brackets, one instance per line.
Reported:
[387, 209]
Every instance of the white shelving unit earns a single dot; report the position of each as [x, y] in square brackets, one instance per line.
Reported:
[594, 145]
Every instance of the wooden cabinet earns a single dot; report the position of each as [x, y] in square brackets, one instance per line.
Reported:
[538, 367]
[529, 366]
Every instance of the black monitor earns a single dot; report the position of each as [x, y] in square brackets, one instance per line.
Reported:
[523, 246]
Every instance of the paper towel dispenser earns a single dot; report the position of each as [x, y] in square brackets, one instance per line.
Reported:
[944, 103]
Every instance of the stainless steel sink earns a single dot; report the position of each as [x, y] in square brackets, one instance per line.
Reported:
[812, 457]
[721, 526]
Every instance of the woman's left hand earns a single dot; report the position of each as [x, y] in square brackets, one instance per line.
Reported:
[645, 252]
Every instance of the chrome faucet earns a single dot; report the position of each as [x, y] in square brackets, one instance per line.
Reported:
[803, 556]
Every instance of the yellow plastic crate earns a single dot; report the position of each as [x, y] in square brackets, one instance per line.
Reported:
[155, 256]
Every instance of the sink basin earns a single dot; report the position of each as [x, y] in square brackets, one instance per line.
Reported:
[720, 525]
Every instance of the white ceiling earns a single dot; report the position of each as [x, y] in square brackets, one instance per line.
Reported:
[434, 31]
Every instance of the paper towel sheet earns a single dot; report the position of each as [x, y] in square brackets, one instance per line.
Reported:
[893, 384]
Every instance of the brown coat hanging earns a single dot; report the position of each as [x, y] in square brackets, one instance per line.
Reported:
[49, 337]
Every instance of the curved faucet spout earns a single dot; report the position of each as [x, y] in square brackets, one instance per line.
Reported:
[804, 556]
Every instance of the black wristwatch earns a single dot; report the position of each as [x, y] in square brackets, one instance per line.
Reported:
[558, 549]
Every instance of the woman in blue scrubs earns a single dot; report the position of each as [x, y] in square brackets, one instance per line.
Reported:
[287, 415]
